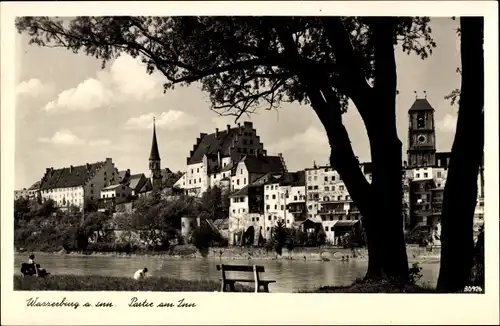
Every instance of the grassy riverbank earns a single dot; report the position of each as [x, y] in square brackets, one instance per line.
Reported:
[165, 284]
[108, 283]
[383, 286]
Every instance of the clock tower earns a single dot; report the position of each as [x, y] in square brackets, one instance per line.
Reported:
[421, 134]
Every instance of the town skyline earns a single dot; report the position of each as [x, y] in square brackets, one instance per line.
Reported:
[85, 114]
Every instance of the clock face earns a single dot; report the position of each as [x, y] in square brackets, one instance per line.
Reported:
[421, 139]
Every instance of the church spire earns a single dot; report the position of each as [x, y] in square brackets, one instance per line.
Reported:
[155, 154]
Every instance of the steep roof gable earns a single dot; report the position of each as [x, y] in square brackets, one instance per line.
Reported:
[421, 104]
[211, 144]
[264, 164]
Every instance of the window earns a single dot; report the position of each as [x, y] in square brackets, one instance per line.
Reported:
[268, 207]
[287, 221]
[282, 195]
[238, 181]
[282, 207]
[267, 196]
[253, 219]
[294, 197]
[326, 228]
[333, 188]
[341, 188]
[347, 197]
[425, 175]
[268, 228]
[275, 206]
[274, 196]
[241, 171]
[199, 180]
[315, 187]
[333, 178]
[198, 170]
[420, 120]
[309, 187]
[327, 188]
[315, 178]
[309, 178]
[326, 178]
[418, 175]
[439, 174]
[269, 218]
[192, 171]
[339, 198]
[234, 211]
[257, 219]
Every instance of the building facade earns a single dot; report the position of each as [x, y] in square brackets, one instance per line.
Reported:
[214, 155]
[74, 185]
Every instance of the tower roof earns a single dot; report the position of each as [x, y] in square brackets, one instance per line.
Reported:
[155, 154]
[421, 104]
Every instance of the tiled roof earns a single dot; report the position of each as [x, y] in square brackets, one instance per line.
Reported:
[112, 187]
[211, 144]
[240, 192]
[421, 104]
[264, 164]
[136, 181]
[35, 186]
[70, 176]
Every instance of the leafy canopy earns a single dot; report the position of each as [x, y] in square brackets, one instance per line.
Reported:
[239, 61]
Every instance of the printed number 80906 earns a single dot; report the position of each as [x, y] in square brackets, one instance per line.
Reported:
[469, 289]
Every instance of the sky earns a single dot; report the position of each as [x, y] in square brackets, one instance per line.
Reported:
[69, 111]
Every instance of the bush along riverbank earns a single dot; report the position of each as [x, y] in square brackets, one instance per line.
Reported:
[108, 283]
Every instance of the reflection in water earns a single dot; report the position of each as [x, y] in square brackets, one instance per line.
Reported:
[291, 275]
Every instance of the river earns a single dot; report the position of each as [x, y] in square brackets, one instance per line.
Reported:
[291, 275]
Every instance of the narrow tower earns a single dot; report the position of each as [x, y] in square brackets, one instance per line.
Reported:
[421, 134]
[154, 163]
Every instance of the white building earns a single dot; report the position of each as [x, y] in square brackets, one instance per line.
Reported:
[31, 193]
[214, 156]
[263, 203]
[118, 192]
[74, 185]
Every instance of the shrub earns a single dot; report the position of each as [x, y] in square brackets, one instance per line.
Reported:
[202, 238]
[414, 274]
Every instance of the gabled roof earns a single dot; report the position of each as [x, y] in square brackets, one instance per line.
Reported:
[35, 186]
[421, 104]
[147, 186]
[112, 187]
[135, 181]
[69, 177]
[211, 144]
[240, 192]
[264, 164]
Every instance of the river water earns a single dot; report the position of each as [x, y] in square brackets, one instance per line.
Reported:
[291, 275]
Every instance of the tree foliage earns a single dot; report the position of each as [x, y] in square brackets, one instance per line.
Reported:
[239, 61]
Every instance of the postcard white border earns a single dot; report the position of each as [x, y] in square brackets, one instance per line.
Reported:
[217, 308]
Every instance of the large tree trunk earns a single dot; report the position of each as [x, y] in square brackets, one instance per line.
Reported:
[460, 194]
[386, 153]
[382, 214]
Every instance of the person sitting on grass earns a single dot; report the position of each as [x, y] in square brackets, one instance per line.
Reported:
[38, 271]
[141, 274]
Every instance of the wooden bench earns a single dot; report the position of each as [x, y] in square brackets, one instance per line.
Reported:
[29, 270]
[243, 268]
